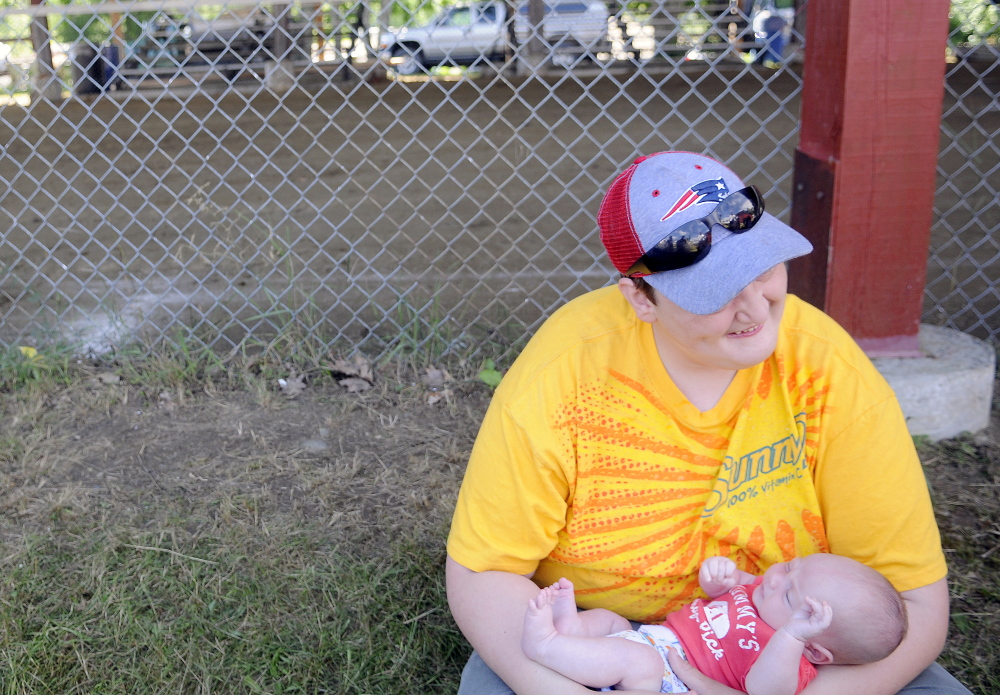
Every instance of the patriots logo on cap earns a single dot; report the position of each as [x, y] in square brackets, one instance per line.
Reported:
[712, 191]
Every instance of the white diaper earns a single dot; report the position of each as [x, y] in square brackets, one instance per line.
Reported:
[662, 638]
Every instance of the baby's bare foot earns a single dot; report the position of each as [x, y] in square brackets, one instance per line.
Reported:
[538, 627]
[564, 613]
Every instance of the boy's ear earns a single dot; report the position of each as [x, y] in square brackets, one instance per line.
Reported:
[817, 654]
[645, 310]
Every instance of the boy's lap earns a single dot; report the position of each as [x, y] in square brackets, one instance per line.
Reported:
[479, 679]
[935, 681]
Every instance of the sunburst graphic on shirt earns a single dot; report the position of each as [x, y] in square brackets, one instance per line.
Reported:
[638, 501]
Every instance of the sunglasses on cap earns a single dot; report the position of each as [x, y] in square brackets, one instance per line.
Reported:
[691, 242]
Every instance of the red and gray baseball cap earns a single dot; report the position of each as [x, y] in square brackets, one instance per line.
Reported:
[662, 191]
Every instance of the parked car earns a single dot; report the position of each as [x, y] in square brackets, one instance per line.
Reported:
[467, 34]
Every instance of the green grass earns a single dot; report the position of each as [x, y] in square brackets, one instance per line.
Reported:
[103, 613]
[22, 367]
[181, 362]
[964, 477]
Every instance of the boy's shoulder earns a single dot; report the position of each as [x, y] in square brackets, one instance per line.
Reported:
[585, 332]
[813, 343]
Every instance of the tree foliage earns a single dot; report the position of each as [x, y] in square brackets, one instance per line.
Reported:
[974, 22]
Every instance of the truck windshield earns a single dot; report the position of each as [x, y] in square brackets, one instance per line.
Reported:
[458, 17]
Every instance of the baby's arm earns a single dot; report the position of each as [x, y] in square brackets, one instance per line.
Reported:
[719, 574]
[776, 671]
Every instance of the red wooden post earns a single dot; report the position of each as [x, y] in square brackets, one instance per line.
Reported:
[863, 190]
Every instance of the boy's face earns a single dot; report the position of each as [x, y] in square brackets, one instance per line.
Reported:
[741, 335]
[786, 585]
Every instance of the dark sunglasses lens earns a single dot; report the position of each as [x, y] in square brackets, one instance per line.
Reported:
[692, 241]
[684, 246]
[740, 210]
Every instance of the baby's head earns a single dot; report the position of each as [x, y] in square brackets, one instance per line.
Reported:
[869, 618]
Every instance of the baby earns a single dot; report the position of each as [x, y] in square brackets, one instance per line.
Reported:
[756, 634]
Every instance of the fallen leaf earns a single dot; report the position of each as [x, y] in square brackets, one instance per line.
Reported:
[355, 384]
[167, 401]
[293, 385]
[366, 372]
[434, 378]
[437, 397]
[363, 368]
[489, 374]
[342, 367]
[358, 367]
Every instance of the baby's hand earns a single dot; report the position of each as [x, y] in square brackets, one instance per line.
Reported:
[717, 575]
[809, 619]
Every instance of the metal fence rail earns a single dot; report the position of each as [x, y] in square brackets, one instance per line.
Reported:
[256, 171]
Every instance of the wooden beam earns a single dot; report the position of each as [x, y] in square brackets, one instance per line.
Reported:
[863, 190]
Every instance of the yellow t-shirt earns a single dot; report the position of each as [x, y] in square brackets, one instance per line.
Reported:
[591, 464]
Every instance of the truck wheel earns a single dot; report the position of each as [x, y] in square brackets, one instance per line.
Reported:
[413, 60]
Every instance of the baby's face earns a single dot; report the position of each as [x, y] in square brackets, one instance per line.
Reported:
[786, 585]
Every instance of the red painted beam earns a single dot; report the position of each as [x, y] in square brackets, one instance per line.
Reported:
[863, 191]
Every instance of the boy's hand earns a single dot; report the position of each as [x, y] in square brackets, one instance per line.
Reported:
[717, 575]
[699, 683]
[809, 619]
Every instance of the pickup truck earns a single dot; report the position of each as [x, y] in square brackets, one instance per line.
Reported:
[467, 34]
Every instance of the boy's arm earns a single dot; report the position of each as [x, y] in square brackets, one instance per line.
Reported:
[489, 609]
[719, 574]
[776, 670]
[927, 613]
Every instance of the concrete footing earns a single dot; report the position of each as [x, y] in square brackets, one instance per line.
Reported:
[950, 389]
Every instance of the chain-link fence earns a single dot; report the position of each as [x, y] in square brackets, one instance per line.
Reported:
[177, 169]
[963, 283]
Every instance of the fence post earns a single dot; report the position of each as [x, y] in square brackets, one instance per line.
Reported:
[384, 19]
[536, 32]
[863, 188]
[44, 82]
[279, 73]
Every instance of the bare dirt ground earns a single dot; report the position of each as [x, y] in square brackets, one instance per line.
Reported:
[176, 207]
[381, 463]
[182, 207]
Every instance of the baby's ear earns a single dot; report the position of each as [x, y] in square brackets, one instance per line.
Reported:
[817, 654]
